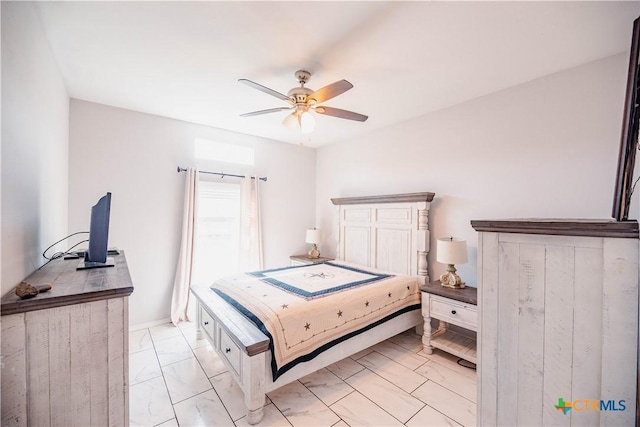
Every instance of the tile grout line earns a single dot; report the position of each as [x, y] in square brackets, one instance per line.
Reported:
[435, 409]
[410, 394]
[375, 404]
[175, 416]
[329, 406]
[390, 382]
[441, 385]
[161, 375]
[205, 373]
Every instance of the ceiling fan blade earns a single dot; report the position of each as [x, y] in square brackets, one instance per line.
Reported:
[343, 114]
[330, 91]
[264, 89]
[270, 110]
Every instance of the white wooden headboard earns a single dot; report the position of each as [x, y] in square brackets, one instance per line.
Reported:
[389, 232]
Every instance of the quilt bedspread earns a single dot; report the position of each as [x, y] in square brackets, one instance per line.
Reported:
[306, 309]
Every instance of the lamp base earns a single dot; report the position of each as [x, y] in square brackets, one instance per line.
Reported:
[450, 279]
[314, 252]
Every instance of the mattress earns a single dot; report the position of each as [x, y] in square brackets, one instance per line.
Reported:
[305, 310]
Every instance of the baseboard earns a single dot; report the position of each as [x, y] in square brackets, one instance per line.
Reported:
[149, 324]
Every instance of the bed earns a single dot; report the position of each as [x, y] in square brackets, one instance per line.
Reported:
[383, 242]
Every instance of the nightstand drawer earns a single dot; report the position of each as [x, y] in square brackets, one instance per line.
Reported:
[454, 312]
[230, 351]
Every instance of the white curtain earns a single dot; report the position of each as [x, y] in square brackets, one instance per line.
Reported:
[180, 298]
[250, 226]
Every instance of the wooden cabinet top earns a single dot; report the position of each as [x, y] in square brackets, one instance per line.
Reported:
[71, 286]
[562, 227]
[306, 259]
[467, 294]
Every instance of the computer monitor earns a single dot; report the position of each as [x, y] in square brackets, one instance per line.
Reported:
[96, 254]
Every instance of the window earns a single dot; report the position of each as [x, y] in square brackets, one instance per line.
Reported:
[218, 231]
[230, 153]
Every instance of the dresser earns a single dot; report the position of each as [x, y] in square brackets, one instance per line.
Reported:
[65, 352]
[450, 306]
[558, 324]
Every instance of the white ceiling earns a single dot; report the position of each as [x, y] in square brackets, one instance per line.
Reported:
[405, 59]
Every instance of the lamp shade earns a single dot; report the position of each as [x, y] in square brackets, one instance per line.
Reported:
[452, 250]
[313, 236]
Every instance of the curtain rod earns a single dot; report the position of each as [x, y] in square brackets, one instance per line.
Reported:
[262, 178]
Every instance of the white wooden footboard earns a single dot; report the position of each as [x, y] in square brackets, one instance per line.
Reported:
[244, 349]
[240, 344]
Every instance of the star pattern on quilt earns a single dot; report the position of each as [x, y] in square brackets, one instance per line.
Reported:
[293, 338]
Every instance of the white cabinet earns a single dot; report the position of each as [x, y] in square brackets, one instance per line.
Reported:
[558, 305]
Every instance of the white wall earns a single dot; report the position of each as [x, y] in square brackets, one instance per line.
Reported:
[35, 129]
[134, 155]
[544, 149]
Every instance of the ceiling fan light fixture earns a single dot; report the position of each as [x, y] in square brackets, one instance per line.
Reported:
[307, 122]
[304, 101]
[291, 121]
[300, 120]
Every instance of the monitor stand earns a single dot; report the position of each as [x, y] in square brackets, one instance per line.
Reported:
[90, 264]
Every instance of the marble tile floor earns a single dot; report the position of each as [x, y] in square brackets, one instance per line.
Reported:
[178, 380]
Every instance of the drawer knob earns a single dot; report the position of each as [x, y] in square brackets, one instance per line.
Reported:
[206, 323]
[453, 312]
[228, 350]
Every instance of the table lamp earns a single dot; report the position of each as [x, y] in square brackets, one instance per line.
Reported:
[451, 251]
[313, 237]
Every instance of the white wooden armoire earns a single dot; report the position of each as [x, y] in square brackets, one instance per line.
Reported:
[558, 319]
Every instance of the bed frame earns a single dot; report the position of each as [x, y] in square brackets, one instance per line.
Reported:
[389, 233]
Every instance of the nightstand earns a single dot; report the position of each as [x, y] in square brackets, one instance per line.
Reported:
[305, 260]
[450, 306]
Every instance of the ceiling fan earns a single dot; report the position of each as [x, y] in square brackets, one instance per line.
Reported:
[303, 100]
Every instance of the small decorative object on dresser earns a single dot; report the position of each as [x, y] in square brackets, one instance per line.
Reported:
[455, 306]
[313, 237]
[451, 251]
[306, 259]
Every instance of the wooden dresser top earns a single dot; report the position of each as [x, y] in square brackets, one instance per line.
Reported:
[71, 286]
[467, 294]
[562, 227]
